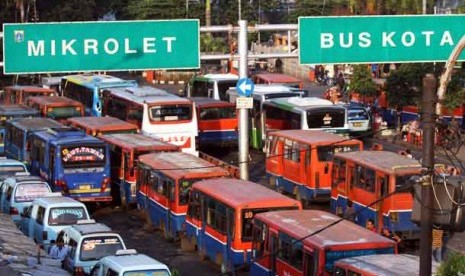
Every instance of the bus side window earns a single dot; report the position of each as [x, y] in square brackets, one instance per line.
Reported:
[296, 150]
[288, 149]
[383, 186]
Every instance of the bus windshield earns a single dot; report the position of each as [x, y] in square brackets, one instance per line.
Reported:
[170, 113]
[95, 248]
[326, 153]
[66, 215]
[215, 113]
[83, 156]
[325, 118]
[63, 112]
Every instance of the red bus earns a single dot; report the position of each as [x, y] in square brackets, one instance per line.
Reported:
[275, 78]
[96, 126]
[286, 243]
[164, 183]
[219, 219]
[125, 149]
[57, 108]
[299, 162]
[217, 121]
[366, 176]
[17, 94]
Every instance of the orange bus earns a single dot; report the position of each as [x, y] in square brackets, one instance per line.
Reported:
[293, 243]
[299, 162]
[164, 183]
[17, 94]
[125, 149]
[96, 126]
[275, 78]
[366, 176]
[219, 219]
[57, 108]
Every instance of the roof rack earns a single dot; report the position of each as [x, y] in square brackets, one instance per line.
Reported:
[85, 221]
[22, 174]
[122, 252]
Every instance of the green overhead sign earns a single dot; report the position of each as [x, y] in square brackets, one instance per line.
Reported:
[379, 39]
[100, 46]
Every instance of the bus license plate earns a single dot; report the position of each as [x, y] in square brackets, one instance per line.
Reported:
[358, 124]
[84, 187]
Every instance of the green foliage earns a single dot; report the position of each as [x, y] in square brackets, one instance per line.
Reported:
[155, 9]
[455, 95]
[404, 86]
[362, 81]
[70, 10]
[209, 43]
[453, 265]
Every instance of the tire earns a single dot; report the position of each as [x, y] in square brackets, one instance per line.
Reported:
[202, 255]
[187, 244]
[122, 197]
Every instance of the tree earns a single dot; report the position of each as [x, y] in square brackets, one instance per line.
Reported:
[362, 81]
[70, 10]
[453, 265]
[455, 96]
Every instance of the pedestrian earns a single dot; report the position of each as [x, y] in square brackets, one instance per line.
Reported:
[437, 244]
[350, 213]
[278, 65]
[59, 250]
[371, 225]
[390, 235]
[340, 81]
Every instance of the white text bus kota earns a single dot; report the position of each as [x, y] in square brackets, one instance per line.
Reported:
[156, 112]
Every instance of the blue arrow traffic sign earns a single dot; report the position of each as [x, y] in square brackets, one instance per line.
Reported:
[244, 87]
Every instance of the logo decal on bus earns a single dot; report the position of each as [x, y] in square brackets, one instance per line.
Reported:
[327, 119]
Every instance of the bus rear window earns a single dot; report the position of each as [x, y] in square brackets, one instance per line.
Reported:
[156, 272]
[326, 118]
[247, 218]
[66, 215]
[28, 192]
[95, 248]
[169, 113]
[216, 113]
[64, 112]
[87, 156]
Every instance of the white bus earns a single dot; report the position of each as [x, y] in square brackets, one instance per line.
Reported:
[305, 113]
[211, 86]
[156, 112]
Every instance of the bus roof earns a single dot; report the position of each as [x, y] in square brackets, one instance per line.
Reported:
[182, 165]
[386, 161]
[241, 193]
[29, 88]
[146, 94]
[302, 223]
[18, 110]
[218, 77]
[67, 135]
[36, 123]
[99, 80]
[277, 78]
[210, 102]
[304, 103]
[385, 264]
[106, 123]
[137, 141]
[314, 137]
[54, 101]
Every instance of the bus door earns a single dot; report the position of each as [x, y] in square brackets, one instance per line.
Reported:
[51, 164]
[310, 261]
[274, 245]
[274, 160]
[291, 166]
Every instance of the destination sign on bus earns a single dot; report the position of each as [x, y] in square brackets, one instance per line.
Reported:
[101, 46]
[82, 154]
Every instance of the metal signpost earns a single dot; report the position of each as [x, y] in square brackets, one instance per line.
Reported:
[378, 39]
[100, 46]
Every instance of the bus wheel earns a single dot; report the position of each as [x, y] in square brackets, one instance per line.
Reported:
[299, 198]
[202, 255]
[219, 261]
[187, 244]
[123, 198]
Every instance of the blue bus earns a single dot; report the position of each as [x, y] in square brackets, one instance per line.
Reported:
[72, 162]
[87, 89]
[17, 132]
[8, 112]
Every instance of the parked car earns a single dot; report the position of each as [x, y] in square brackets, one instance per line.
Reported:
[360, 120]
[18, 192]
[129, 262]
[88, 242]
[48, 215]
[8, 167]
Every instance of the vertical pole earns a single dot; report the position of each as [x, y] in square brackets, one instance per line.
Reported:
[243, 112]
[424, 7]
[428, 118]
[239, 8]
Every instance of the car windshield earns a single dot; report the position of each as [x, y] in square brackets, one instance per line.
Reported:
[29, 191]
[151, 272]
[66, 215]
[95, 248]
